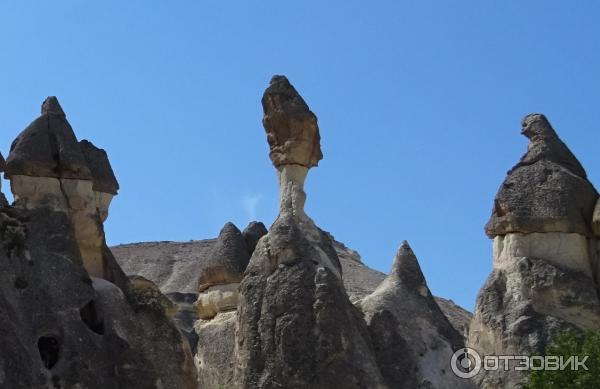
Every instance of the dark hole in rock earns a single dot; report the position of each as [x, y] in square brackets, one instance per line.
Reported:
[49, 350]
[92, 318]
[21, 283]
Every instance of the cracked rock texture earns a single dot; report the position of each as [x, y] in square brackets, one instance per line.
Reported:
[292, 130]
[545, 255]
[413, 340]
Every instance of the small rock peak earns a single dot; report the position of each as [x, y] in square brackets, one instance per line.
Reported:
[536, 126]
[252, 234]
[282, 96]
[545, 144]
[227, 260]
[51, 106]
[2, 163]
[406, 268]
[103, 177]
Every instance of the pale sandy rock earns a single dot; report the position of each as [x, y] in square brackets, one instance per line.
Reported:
[568, 250]
[32, 192]
[292, 130]
[413, 340]
[214, 358]
[215, 299]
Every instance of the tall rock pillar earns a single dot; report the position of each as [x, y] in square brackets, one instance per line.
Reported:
[296, 327]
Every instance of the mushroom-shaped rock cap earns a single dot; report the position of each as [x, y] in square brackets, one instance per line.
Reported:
[227, 260]
[547, 191]
[252, 234]
[103, 177]
[292, 129]
[406, 269]
[48, 148]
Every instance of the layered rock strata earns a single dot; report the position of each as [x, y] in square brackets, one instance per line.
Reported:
[545, 255]
[294, 318]
[414, 341]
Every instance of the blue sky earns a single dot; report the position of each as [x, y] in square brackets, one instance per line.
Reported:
[419, 104]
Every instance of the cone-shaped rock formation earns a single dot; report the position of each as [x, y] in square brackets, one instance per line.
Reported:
[545, 255]
[219, 280]
[252, 234]
[413, 340]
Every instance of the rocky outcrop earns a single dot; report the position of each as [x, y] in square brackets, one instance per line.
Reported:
[413, 340]
[47, 167]
[544, 270]
[252, 234]
[219, 280]
[65, 327]
[294, 319]
[62, 329]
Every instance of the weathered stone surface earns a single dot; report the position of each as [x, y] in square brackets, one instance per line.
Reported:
[227, 260]
[2, 163]
[173, 266]
[294, 319]
[547, 191]
[413, 340]
[97, 161]
[292, 130]
[596, 219]
[217, 298]
[545, 256]
[3, 201]
[63, 329]
[48, 148]
[522, 305]
[214, 359]
[252, 234]
[145, 293]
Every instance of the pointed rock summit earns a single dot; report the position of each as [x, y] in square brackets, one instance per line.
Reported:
[48, 148]
[413, 339]
[227, 260]
[252, 234]
[547, 191]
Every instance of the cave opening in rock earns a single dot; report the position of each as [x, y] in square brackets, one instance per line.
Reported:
[49, 348]
[92, 318]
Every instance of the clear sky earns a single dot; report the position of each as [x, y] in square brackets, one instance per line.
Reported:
[419, 105]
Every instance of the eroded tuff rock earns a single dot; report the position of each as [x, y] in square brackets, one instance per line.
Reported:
[294, 319]
[413, 340]
[547, 191]
[544, 266]
[47, 167]
[252, 234]
[219, 280]
[61, 328]
[292, 130]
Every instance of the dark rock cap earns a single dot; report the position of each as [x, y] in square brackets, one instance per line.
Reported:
[48, 148]
[227, 260]
[102, 174]
[2, 163]
[252, 234]
[547, 191]
[292, 129]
